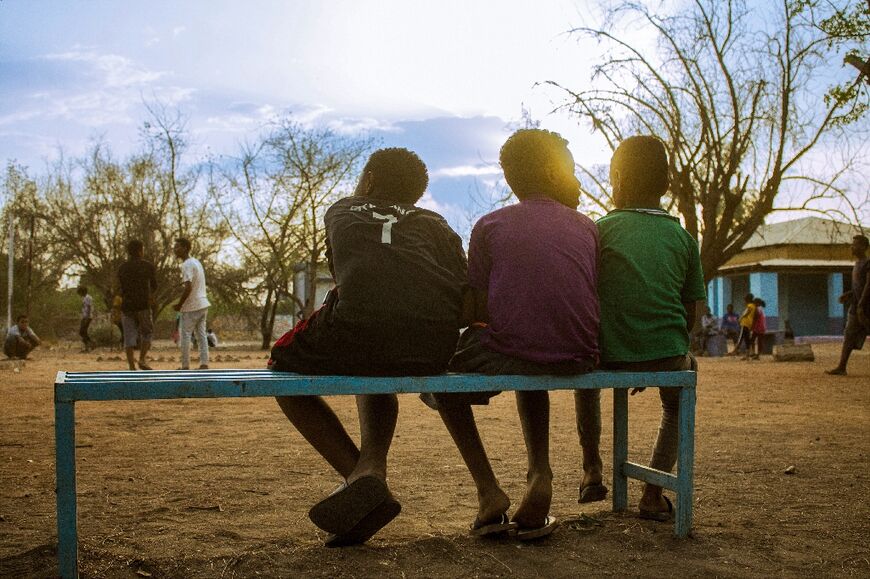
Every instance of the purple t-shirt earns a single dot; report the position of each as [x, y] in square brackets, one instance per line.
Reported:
[538, 262]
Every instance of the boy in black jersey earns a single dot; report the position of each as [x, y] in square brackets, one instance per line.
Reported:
[399, 272]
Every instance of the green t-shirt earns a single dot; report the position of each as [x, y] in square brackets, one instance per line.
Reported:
[649, 265]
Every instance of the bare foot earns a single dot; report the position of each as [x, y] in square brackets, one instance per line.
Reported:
[492, 505]
[532, 512]
[591, 477]
[652, 501]
[836, 371]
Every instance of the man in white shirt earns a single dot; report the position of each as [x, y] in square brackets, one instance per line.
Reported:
[193, 305]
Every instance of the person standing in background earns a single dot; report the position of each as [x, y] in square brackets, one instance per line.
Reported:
[87, 316]
[193, 305]
[138, 279]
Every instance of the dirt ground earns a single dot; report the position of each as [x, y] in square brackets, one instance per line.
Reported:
[221, 488]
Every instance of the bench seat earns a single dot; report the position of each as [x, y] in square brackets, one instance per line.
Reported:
[72, 387]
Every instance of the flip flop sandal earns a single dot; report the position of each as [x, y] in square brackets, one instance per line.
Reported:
[660, 516]
[368, 526]
[342, 510]
[592, 493]
[545, 530]
[503, 525]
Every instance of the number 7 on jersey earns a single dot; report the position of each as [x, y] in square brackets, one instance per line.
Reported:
[387, 229]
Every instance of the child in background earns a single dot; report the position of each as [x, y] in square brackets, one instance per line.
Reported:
[759, 328]
[747, 319]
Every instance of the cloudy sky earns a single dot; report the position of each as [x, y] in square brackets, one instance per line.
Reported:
[446, 78]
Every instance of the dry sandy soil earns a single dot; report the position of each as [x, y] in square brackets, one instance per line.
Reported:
[221, 488]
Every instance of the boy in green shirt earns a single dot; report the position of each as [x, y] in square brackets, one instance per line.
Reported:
[649, 283]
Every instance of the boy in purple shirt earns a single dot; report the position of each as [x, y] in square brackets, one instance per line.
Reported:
[532, 272]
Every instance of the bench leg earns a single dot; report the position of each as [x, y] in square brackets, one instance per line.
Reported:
[685, 463]
[620, 448]
[65, 453]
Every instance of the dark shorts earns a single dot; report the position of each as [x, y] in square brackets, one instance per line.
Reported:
[855, 333]
[473, 357]
[320, 346]
[672, 364]
[138, 327]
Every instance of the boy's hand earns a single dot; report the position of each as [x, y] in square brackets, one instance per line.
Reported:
[636, 391]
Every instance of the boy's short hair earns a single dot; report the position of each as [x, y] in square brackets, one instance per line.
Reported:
[82, 290]
[183, 242]
[135, 246]
[20, 317]
[530, 158]
[642, 164]
[862, 239]
[397, 174]
[748, 298]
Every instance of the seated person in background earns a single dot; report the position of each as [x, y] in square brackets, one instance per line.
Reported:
[532, 272]
[650, 282]
[399, 273]
[731, 324]
[20, 339]
[709, 327]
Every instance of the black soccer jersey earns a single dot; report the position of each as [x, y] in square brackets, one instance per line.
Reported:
[395, 264]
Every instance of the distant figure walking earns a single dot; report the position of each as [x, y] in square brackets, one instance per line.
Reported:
[193, 305]
[138, 280]
[20, 339]
[747, 319]
[858, 317]
[87, 316]
[759, 329]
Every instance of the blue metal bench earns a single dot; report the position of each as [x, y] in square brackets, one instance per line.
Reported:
[72, 387]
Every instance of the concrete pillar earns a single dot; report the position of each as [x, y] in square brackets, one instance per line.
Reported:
[719, 295]
[765, 285]
[836, 320]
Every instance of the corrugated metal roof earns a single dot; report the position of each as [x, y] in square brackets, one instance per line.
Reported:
[785, 263]
[807, 230]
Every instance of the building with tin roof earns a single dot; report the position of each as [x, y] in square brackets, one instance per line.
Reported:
[799, 268]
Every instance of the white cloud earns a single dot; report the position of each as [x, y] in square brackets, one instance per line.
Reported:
[466, 171]
[351, 126]
[116, 71]
[178, 30]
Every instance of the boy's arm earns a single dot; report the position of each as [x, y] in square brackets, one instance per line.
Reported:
[691, 311]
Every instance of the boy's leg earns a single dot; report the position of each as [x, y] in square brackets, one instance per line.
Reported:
[587, 406]
[534, 411]
[146, 329]
[201, 339]
[853, 335]
[377, 423]
[319, 425]
[9, 347]
[664, 455]
[184, 339]
[459, 420]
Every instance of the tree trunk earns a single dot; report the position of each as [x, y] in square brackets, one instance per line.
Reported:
[265, 326]
[272, 319]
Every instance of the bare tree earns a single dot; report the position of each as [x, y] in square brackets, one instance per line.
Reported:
[275, 194]
[36, 267]
[733, 93]
[94, 205]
